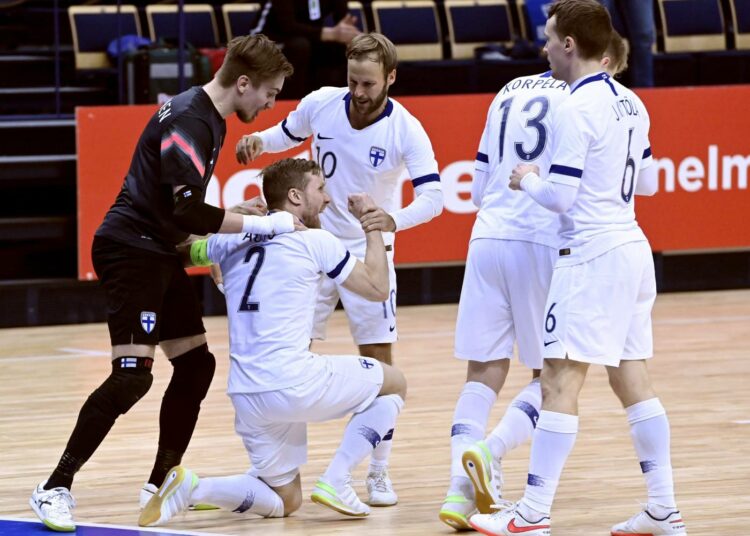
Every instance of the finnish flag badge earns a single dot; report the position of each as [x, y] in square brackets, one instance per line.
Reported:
[148, 321]
[377, 155]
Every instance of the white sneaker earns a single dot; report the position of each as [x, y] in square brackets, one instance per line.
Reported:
[646, 524]
[54, 507]
[380, 489]
[508, 521]
[171, 498]
[148, 490]
[456, 511]
[343, 500]
[485, 475]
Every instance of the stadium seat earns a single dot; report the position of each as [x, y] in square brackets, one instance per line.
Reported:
[239, 19]
[522, 18]
[692, 25]
[474, 23]
[413, 27]
[94, 27]
[200, 24]
[740, 10]
[358, 10]
[355, 8]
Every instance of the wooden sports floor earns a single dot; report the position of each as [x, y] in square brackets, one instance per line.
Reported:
[701, 372]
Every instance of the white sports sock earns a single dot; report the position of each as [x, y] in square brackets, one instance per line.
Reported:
[519, 421]
[649, 429]
[554, 438]
[469, 422]
[239, 493]
[381, 453]
[362, 434]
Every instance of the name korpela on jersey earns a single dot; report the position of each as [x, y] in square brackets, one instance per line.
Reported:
[534, 83]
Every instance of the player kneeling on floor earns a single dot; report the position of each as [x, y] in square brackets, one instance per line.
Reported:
[277, 385]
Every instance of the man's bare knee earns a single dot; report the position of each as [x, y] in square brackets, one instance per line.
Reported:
[291, 495]
[490, 373]
[379, 351]
[631, 382]
[561, 382]
[394, 382]
[292, 503]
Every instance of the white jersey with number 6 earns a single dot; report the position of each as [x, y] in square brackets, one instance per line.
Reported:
[271, 285]
[600, 145]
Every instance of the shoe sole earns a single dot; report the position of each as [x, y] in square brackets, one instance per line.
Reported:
[202, 507]
[336, 506]
[382, 504]
[151, 515]
[454, 520]
[618, 533]
[46, 523]
[473, 463]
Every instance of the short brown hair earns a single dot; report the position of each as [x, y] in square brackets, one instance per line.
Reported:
[364, 45]
[587, 22]
[281, 176]
[255, 56]
[617, 52]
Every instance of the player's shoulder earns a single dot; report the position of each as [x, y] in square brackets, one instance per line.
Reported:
[325, 95]
[542, 82]
[626, 91]
[398, 111]
[187, 111]
[319, 236]
[405, 122]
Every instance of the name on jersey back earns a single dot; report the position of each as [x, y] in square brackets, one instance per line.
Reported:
[624, 106]
[535, 83]
[257, 238]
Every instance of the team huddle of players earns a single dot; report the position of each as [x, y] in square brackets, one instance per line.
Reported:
[555, 251]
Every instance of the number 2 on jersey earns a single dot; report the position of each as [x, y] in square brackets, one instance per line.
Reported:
[534, 122]
[246, 304]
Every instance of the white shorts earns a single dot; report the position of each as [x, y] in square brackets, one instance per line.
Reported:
[600, 311]
[369, 322]
[502, 300]
[273, 424]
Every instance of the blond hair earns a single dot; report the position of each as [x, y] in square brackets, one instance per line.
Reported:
[617, 52]
[375, 44]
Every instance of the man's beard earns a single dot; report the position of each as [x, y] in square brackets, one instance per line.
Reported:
[312, 221]
[375, 103]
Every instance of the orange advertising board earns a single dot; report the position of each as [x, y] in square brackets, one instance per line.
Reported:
[698, 137]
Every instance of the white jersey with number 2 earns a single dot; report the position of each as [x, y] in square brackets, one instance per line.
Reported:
[271, 285]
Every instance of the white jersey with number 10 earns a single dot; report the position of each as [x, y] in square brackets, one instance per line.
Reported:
[368, 160]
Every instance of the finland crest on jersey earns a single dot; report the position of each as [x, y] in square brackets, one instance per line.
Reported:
[148, 321]
[377, 155]
[371, 159]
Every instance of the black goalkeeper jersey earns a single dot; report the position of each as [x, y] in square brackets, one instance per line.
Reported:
[179, 146]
